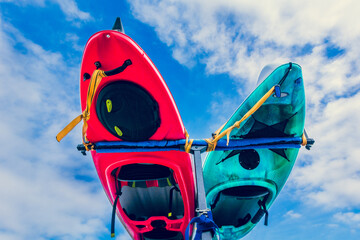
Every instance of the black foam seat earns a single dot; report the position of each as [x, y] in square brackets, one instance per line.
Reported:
[133, 172]
[238, 205]
[141, 202]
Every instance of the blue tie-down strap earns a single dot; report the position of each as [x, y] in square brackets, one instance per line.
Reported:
[204, 223]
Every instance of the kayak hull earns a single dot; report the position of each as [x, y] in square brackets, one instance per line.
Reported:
[241, 185]
[136, 105]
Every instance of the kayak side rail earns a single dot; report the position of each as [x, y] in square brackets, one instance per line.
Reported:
[179, 145]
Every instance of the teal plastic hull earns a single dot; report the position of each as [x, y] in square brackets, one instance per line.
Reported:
[241, 185]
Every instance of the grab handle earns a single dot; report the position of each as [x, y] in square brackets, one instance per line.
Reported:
[118, 69]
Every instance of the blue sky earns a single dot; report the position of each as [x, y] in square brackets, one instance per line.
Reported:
[210, 54]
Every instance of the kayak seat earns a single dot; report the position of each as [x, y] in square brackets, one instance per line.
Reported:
[137, 172]
[238, 205]
[128, 111]
[149, 190]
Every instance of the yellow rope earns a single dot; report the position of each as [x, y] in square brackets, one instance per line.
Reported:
[219, 130]
[212, 142]
[211, 145]
[304, 140]
[187, 137]
[85, 116]
[188, 146]
[187, 142]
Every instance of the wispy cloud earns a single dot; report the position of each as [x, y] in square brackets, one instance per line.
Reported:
[71, 10]
[350, 218]
[73, 39]
[43, 189]
[293, 215]
[68, 7]
[25, 2]
[239, 38]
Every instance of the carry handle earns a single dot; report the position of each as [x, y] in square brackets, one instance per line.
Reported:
[118, 69]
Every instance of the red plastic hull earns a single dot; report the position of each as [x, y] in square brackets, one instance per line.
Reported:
[112, 48]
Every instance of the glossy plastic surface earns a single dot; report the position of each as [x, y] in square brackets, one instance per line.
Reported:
[178, 161]
[279, 116]
[111, 49]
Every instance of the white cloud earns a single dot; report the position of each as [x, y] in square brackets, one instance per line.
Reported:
[292, 215]
[350, 218]
[223, 108]
[42, 195]
[25, 2]
[68, 7]
[240, 37]
[71, 10]
[124, 236]
[226, 30]
[332, 177]
[73, 39]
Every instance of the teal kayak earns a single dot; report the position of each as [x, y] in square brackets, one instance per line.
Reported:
[241, 185]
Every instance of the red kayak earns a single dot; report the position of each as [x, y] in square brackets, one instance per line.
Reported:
[124, 98]
[133, 105]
